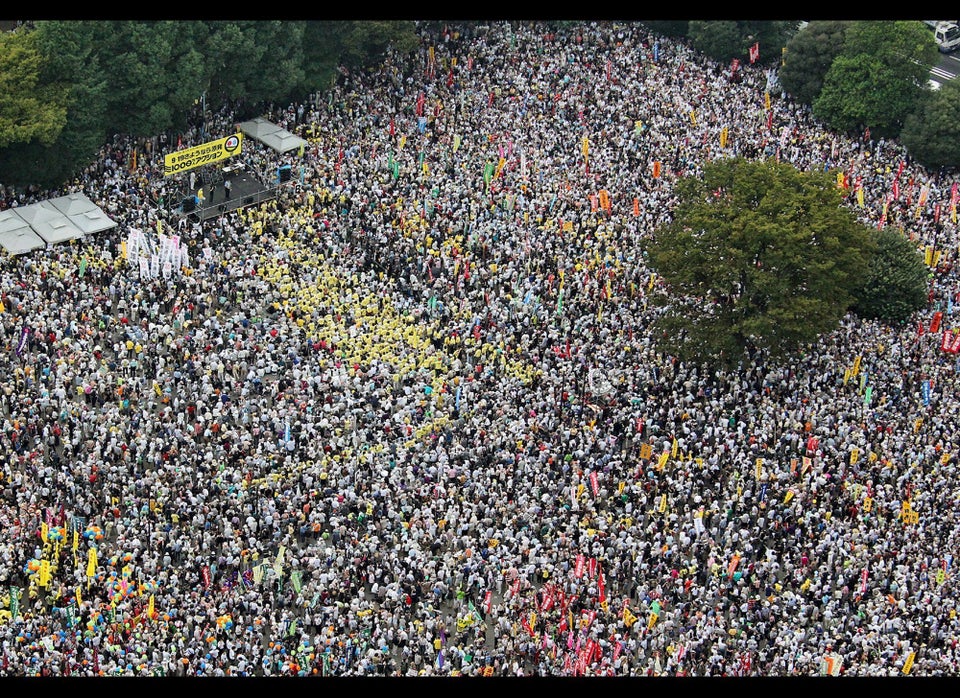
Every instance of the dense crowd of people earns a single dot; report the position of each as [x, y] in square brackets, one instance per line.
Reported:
[407, 418]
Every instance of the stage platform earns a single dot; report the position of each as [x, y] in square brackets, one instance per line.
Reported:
[245, 190]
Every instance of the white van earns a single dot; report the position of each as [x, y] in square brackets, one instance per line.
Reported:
[946, 34]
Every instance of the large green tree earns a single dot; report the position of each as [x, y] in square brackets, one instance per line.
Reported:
[156, 71]
[896, 284]
[253, 61]
[932, 133]
[878, 78]
[724, 40]
[808, 57]
[30, 110]
[757, 256]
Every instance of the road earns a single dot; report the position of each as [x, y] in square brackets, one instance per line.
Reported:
[946, 68]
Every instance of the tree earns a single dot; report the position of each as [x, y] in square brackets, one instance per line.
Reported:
[365, 43]
[808, 57]
[719, 40]
[758, 256]
[30, 110]
[931, 134]
[669, 27]
[157, 71]
[253, 61]
[724, 40]
[896, 284]
[878, 78]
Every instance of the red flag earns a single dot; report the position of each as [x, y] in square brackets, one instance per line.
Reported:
[593, 484]
[956, 344]
[450, 77]
[733, 67]
[487, 598]
[755, 52]
[578, 567]
[602, 588]
[935, 322]
[947, 340]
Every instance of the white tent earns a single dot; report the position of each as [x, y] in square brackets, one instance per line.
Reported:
[72, 204]
[272, 135]
[16, 235]
[60, 219]
[57, 229]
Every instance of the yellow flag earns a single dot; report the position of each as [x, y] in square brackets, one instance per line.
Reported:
[663, 503]
[2, 309]
[766, 100]
[44, 579]
[856, 365]
[585, 147]
[759, 467]
[79, 600]
[788, 497]
[673, 448]
[854, 455]
[646, 450]
[723, 137]
[76, 539]
[693, 118]
[908, 665]
[860, 196]
[664, 457]
[91, 562]
[44, 531]
[150, 607]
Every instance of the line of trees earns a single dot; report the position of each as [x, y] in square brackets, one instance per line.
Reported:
[67, 86]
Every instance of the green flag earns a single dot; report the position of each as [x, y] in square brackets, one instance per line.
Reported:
[295, 580]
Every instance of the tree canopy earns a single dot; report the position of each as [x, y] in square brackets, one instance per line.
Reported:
[757, 257]
[878, 78]
[808, 57]
[30, 110]
[896, 284]
[932, 132]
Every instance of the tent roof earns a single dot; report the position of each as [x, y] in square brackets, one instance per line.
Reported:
[57, 229]
[36, 213]
[55, 220]
[72, 204]
[271, 135]
[92, 221]
[10, 221]
[20, 240]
